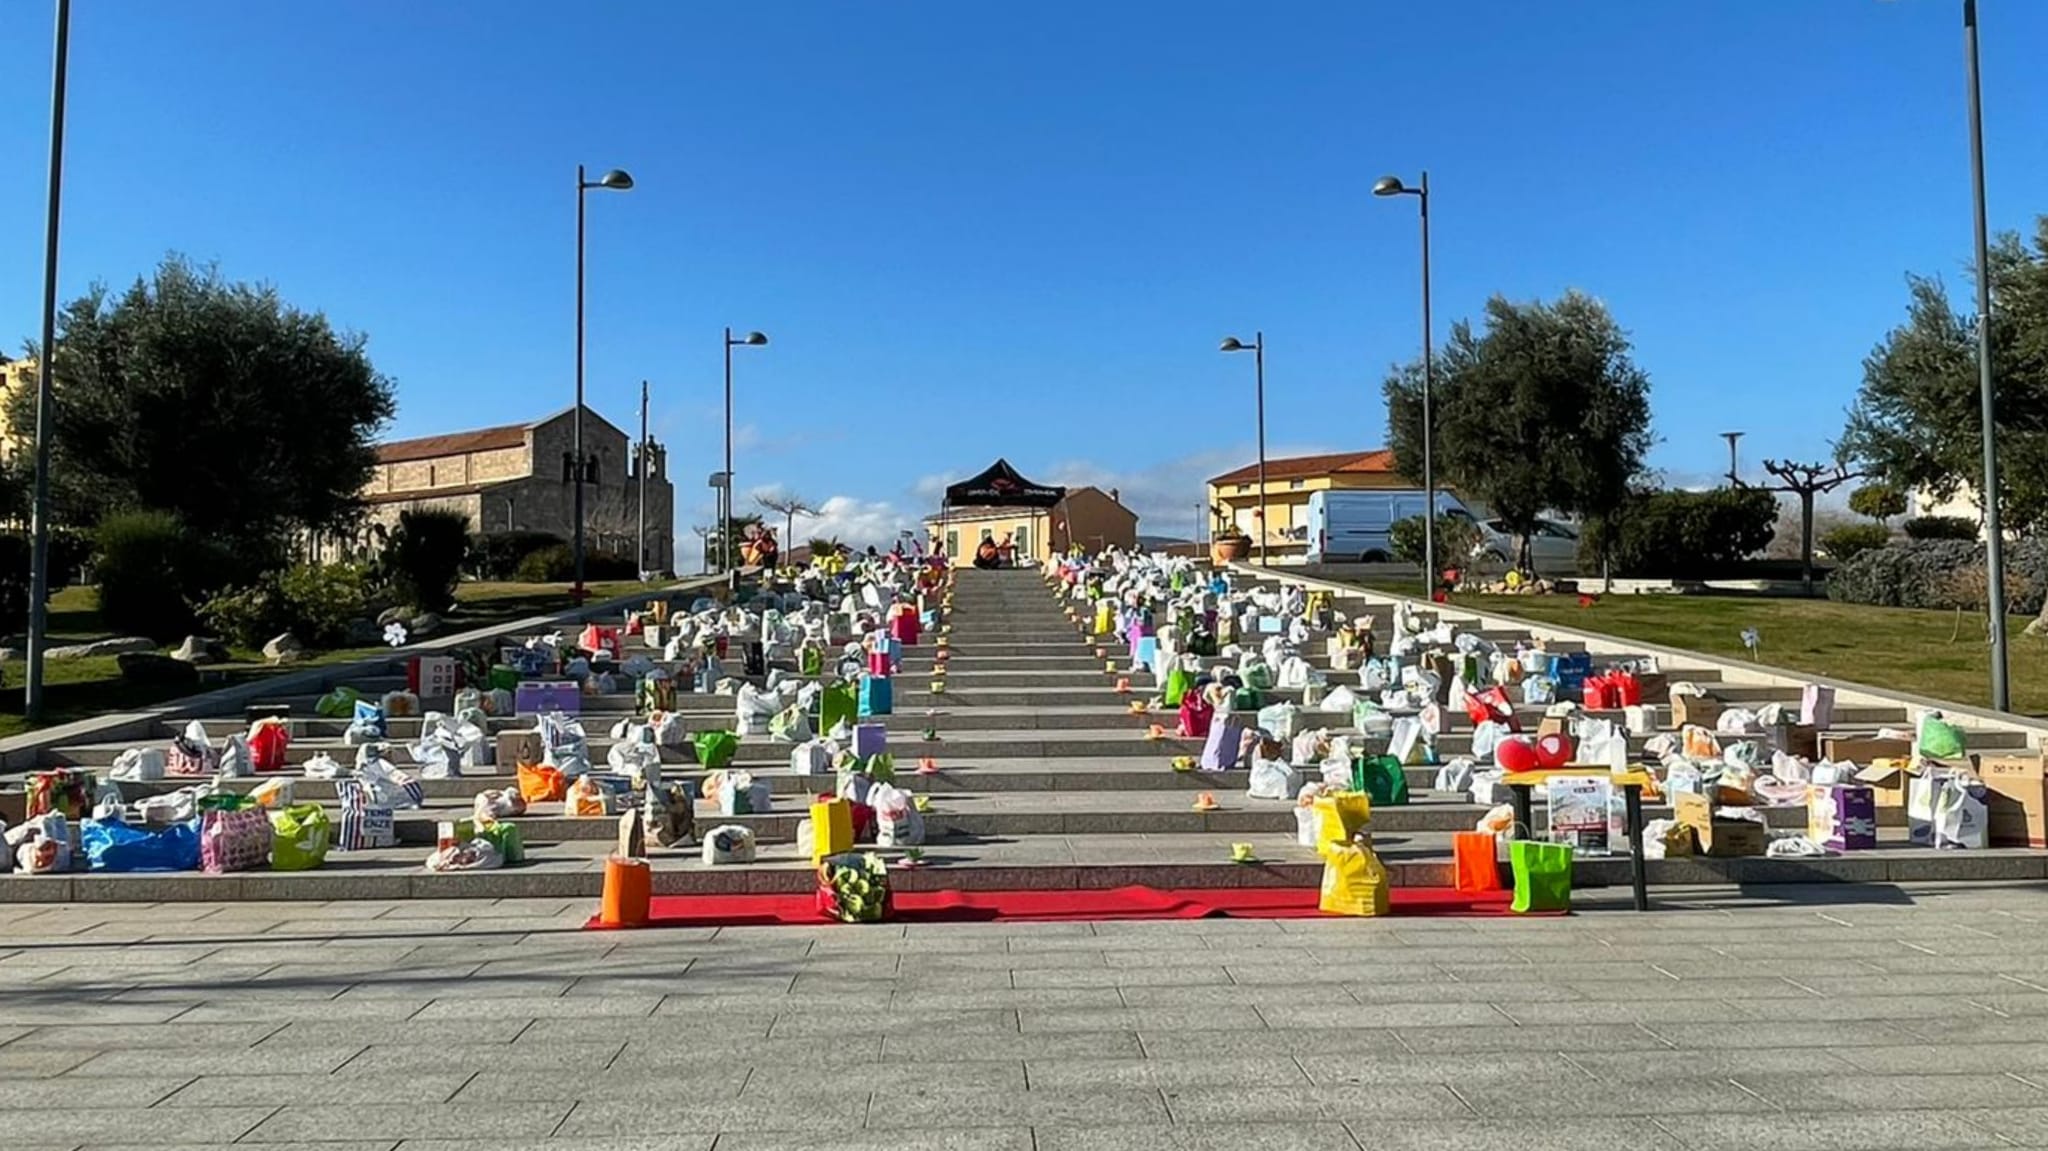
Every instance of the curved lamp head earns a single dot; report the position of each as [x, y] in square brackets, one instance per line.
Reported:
[616, 179]
[1389, 186]
[1233, 344]
[755, 339]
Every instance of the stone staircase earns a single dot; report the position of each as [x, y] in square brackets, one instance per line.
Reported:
[1047, 780]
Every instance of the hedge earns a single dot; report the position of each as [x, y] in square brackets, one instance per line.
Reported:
[1936, 574]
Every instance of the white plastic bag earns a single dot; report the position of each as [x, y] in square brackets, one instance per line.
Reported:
[1454, 776]
[728, 843]
[637, 760]
[138, 765]
[323, 766]
[898, 823]
[235, 760]
[810, 757]
[1272, 779]
[1340, 700]
[1486, 735]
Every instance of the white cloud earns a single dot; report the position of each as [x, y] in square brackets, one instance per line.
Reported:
[856, 521]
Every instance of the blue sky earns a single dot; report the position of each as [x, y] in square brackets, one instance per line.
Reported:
[1021, 229]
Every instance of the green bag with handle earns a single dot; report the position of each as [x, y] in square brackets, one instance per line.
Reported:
[837, 702]
[1177, 683]
[715, 749]
[300, 837]
[1543, 875]
[1381, 777]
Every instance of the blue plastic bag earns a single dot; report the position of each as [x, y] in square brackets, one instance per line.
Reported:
[370, 717]
[114, 846]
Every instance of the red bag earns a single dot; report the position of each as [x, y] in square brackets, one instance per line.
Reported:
[1629, 689]
[433, 676]
[1603, 693]
[595, 638]
[1195, 714]
[269, 739]
[634, 626]
[1493, 704]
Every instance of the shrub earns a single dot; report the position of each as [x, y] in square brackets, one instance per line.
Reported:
[1941, 528]
[423, 557]
[245, 617]
[15, 553]
[1926, 574]
[1456, 536]
[314, 602]
[152, 573]
[551, 564]
[557, 564]
[320, 600]
[497, 555]
[1850, 540]
[1681, 535]
[1878, 501]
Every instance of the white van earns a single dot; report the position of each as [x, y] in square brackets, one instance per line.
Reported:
[1354, 526]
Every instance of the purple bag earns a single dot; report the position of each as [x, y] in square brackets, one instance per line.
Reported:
[1226, 738]
[536, 696]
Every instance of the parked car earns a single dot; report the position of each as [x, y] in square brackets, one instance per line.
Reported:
[1553, 546]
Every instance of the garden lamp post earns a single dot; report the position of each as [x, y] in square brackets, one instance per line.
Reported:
[39, 552]
[1258, 350]
[615, 181]
[1392, 186]
[750, 340]
[1994, 532]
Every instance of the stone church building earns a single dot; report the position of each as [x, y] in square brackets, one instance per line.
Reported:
[518, 478]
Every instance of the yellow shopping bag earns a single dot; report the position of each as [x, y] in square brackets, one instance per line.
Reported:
[1105, 618]
[1354, 882]
[1339, 816]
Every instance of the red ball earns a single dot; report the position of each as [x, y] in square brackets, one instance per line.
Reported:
[1515, 753]
[1553, 750]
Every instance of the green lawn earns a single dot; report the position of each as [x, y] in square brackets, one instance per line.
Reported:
[80, 688]
[1929, 653]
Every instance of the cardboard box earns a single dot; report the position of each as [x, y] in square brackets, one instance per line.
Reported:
[1887, 778]
[1703, 710]
[1863, 749]
[1800, 739]
[2016, 791]
[517, 747]
[1553, 725]
[1719, 838]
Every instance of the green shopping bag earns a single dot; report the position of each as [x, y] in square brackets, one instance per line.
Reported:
[1938, 738]
[715, 749]
[1543, 875]
[507, 839]
[1381, 777]
[300, 836]
[811, 660]
[337, 704]
[1248, 699]
[1177, 683]
[840, 701]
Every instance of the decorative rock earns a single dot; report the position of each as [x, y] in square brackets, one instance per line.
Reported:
[391, 615]
[285, 648]
[423, 625]
[120, 646]
[363, 631]
[198, 649]
[151, 668]
[7, 653]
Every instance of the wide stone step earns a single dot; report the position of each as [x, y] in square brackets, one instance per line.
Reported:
[575, 870]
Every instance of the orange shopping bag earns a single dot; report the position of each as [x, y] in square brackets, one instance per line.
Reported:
[1474, 862]
[541, 783]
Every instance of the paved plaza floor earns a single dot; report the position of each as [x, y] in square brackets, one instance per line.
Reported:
[1838, 1017]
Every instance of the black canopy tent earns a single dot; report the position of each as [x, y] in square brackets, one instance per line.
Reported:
[999, 486]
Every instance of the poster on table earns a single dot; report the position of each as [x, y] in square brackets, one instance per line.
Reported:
[1582, 814]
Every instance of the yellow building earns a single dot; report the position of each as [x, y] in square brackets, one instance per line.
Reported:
[1234, 495]
[17, 377]
[1087, 516]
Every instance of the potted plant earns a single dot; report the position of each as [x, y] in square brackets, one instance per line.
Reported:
[1230, 548]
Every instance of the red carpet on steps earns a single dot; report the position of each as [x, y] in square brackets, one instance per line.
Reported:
[1055, 906]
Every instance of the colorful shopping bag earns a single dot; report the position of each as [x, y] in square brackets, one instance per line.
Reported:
[1543, 875]
[1339, 816]
[234, 840]
[1381, 777]
[1354, 882]
[715, 749]
[66, 792]
[841, 701]
[269, 741]
[541, 783]
[1475, 861]
[300, 837]
[877, 696]
[1178, 683]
